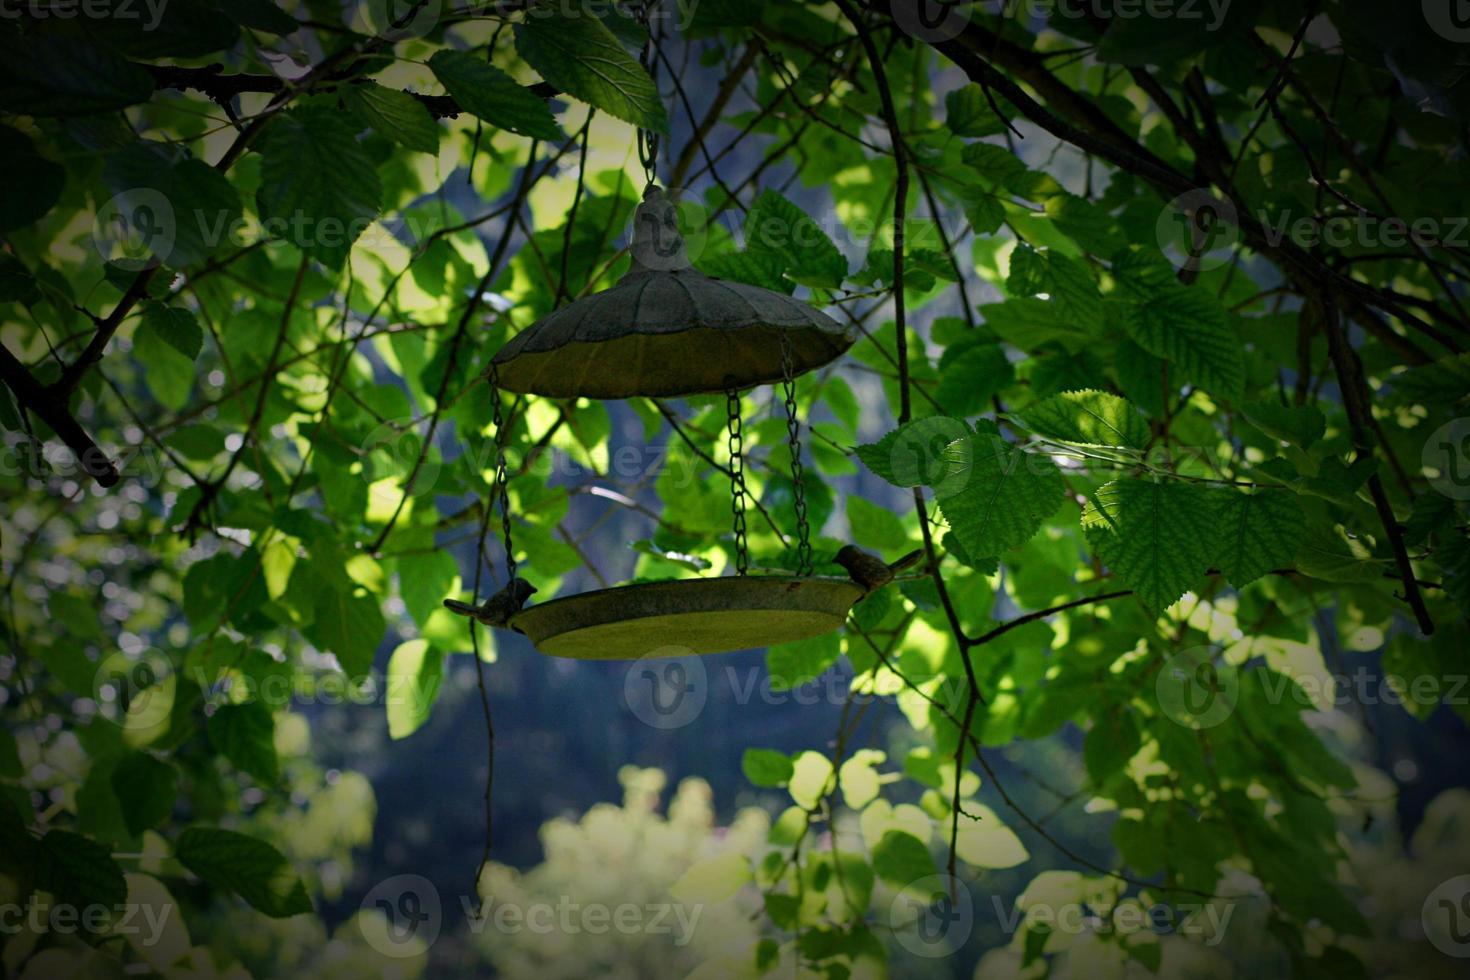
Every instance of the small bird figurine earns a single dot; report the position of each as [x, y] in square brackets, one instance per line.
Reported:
[499, 608]
[870, 571]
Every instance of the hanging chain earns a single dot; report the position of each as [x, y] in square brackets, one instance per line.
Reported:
[647, 139]
[737, 480]
[793, 439]
[500, 489]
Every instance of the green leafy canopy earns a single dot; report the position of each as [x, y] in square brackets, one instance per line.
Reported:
[1140, 367]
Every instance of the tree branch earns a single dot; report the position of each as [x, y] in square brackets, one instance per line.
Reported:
[1354, 400]
[50, 407]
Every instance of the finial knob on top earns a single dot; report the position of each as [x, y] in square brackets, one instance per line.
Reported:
[657, 244]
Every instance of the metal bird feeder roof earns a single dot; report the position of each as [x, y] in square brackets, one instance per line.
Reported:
[666, 330]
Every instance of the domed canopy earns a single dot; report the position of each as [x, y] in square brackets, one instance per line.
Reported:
[666, 329]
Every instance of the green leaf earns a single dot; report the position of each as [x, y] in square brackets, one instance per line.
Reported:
[713, 880]
[1329, 552]
[858, 777]
[24, 202]
[182, 209]
[983, 209]
[1300, 425]
[145, 788]
[10, 766]
[901, 859]
[985, 842]
[782, 910]
[398, 115]
[249, 867]
[1140, 377]
[1187, 325]
[968, 113]
[1067, 281]
[415, 674]
[176, 29]
[17, 285]
[176, 327]
[790, 664]
[764, 269]
[1088, 418]
[999, 495]
[18, 849]
[79, 871]
[878, 270]
[811, 772]
[1443, 382]
[914, 454]
[1160, 40]
[223, 586]
[64, 75]
[972, 377]
[874, 526]
[261, 15]
[1255, 532]
[246, 735]
[169, 372]
[1085, 223]
[424, 580]
[1149, 534]
[994, 162]
[488, 93]
[1072, 287]
[1028, 274]
[766, 767]
[577, 54]
[1110, 743]
[319, 189]
[350, 626]
[777, 227]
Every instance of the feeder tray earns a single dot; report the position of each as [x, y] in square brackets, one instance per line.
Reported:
[688, 616]
[666, 330]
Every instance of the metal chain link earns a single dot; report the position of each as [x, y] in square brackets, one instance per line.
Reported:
[737, 479]
[647, 139]
[500, 489]
[793, 439]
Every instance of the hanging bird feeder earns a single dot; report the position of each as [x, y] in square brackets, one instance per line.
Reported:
[666, 330]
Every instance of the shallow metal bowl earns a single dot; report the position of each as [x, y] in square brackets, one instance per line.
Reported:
[687, 616]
